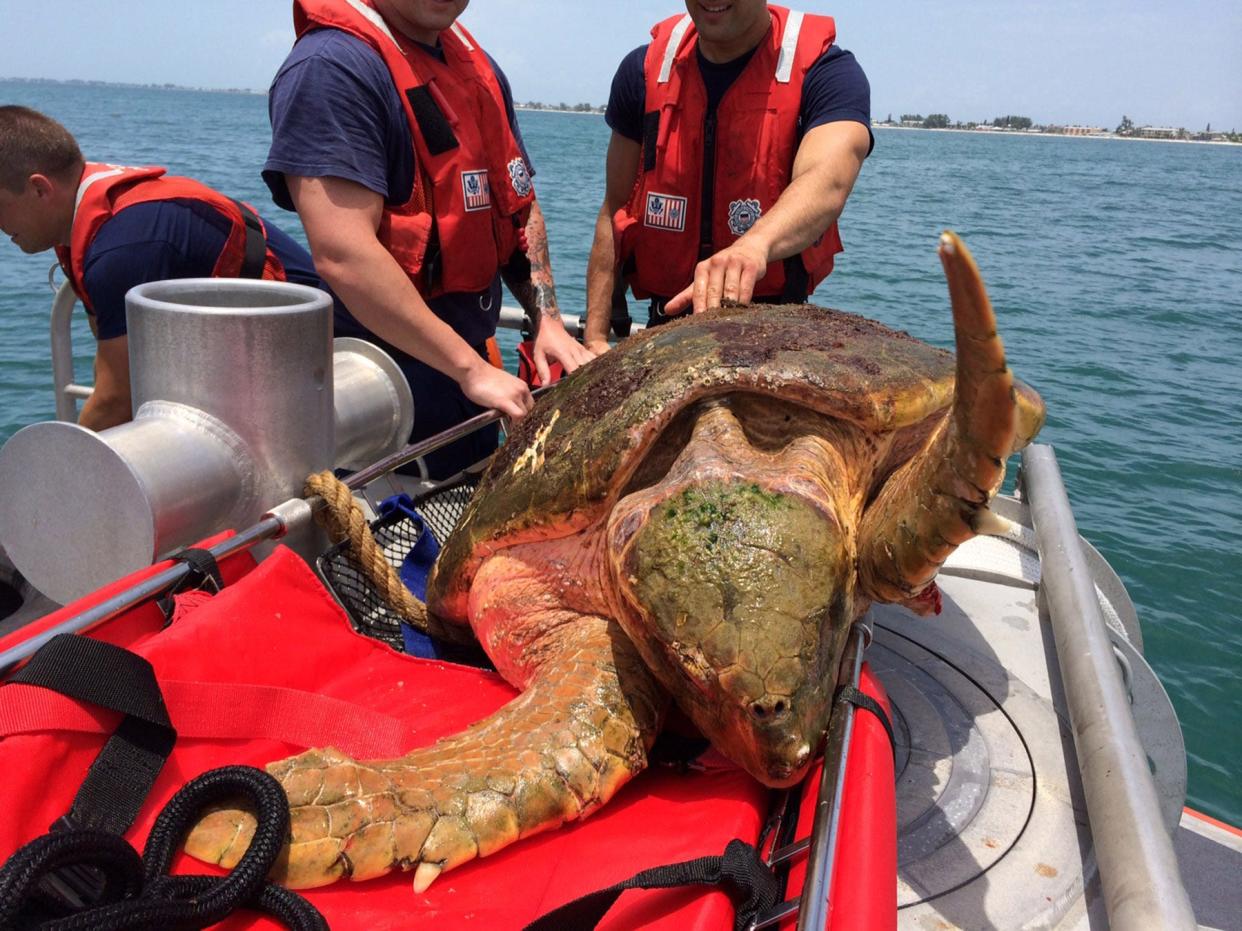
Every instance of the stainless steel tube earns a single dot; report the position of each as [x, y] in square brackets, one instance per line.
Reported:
[374, 409]
[1138, 870]
[62, 353]
[813, 909]
[269, 528]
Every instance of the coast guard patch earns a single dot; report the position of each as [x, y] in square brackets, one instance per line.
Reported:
[519, 177]
[665, 212]
[742, 215]
[476, 189]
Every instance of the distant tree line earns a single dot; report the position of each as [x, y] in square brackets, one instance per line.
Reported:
[573, 108]
[1127, 127]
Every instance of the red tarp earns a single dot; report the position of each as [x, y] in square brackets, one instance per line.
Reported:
[254, 658]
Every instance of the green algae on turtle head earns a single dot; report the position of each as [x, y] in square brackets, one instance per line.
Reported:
[710, 508]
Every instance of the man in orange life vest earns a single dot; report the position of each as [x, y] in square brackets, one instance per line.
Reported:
[393, 136]
[114, 228]
[738, 133]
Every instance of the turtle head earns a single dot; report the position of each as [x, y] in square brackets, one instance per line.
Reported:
[738, 593]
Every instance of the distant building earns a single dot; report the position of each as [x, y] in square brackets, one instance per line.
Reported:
[1157, 132]
[1085, 131]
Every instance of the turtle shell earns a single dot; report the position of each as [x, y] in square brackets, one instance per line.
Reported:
[566, 462]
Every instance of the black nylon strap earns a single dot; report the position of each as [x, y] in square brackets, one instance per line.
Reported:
[651, 136]
[433, 124]
[796, 281]
[204, 573]
[740, 869]
[256, 243]
[859, 699]
[105, 675]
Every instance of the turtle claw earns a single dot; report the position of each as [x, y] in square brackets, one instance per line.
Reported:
[424, 876]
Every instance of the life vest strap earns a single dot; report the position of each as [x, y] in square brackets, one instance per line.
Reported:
[256, 243]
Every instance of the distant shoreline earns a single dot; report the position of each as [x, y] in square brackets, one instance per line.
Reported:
[593, 111]
[530, 109]
[1028, 132]
[81, 82]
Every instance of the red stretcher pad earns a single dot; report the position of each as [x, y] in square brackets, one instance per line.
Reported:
[269, 666]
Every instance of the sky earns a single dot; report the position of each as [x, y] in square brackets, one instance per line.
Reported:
[1087, 62]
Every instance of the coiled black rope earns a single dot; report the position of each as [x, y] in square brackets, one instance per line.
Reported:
[137, 892]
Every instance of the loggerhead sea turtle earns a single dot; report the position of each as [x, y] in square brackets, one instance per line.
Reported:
[699, 516]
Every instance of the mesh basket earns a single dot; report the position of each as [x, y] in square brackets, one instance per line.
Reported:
[396, 534]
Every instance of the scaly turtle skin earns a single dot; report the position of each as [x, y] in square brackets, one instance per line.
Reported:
[697, 516]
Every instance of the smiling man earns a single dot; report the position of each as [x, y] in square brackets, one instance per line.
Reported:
[737, 135]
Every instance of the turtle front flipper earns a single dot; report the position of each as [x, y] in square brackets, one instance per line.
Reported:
[937, 500]
[554, 754]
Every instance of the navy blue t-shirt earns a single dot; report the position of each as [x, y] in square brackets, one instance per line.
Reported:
[335, 112]
[165, 239]
[835, 89]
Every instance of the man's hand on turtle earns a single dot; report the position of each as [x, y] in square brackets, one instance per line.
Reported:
[729, 275]
[552, 342]
[597, 347]
[496, 389]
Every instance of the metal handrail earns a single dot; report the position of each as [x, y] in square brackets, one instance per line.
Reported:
[1138, 869]
[67, 392]
[813, 903]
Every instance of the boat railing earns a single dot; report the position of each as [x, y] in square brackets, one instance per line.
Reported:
[1139, 873]
[67, 392]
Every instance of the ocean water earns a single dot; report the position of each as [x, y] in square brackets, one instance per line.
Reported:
[1116, 272]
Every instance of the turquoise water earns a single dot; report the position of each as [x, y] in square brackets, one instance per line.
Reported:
[1115, 268]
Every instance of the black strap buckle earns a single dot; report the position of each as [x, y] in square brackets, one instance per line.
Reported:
[204, 574]
[860, 699]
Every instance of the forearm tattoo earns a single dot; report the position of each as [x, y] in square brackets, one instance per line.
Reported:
[538, 294]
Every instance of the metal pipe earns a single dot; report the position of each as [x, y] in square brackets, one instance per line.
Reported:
[372, 404]
[364, 477]
[514, 318]
[272, 527]
[813, 908]
[1138, 870]
[62, 354]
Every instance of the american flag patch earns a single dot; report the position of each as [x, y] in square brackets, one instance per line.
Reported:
[477, 191]
[666, 212]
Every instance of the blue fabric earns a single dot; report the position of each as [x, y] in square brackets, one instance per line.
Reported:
[158, 240]
[835, 89]
[415, 568]
[335, 112]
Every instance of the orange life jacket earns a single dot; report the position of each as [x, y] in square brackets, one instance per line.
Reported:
[472, 192]
[749, 149]
[106, 190]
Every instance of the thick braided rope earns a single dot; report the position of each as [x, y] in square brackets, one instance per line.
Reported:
[343, 519]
